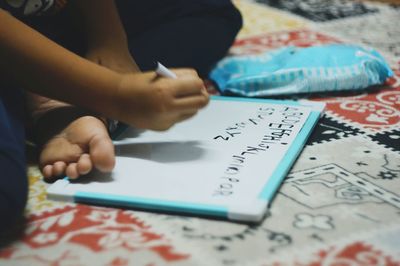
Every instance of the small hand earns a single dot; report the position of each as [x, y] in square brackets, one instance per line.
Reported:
[153, 102]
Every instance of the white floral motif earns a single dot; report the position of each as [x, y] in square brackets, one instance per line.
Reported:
[381, 112]
[102, 216]
[305, 220]
[117, 239]
[377, 119]
[389, 97]
[63, 220]
[45, 238]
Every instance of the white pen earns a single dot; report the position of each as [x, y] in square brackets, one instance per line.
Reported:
[165, 72]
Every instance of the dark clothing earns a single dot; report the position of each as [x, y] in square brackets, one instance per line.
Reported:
[183, 34]
[13, 181]
[178, 33]
[33, 7]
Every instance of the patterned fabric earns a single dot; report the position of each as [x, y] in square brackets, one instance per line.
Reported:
[32, 7]
[339, 205]
[322, 10]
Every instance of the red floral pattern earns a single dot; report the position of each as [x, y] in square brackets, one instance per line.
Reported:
[357, 253]
[97, 229]
[376, 111]
[265, 42]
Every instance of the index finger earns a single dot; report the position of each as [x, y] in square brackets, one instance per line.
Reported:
[185, 72]
[186, 86]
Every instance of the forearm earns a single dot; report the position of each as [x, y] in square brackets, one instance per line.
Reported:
[104, 33]
[33, 62]
[100, 22]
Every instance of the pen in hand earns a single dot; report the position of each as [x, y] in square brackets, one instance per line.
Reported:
[164, 72]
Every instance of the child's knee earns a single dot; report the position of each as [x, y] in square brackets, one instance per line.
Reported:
[235, 19]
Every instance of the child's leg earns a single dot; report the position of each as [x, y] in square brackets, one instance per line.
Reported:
[13, 178]
[180, 33]
[177, 33]
[72, 141]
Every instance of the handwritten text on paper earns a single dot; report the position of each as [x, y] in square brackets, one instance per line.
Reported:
[275, 134]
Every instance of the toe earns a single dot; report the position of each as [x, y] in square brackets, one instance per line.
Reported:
[84, 164]
[102, 153]
[59, 149]
[72, 171]
[58, 168]
[47, 171]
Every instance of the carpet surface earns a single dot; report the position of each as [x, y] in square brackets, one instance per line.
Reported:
[340, 204]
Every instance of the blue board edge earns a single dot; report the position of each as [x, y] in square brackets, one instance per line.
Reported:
[290, 157]
[259, 100]
[149, 204]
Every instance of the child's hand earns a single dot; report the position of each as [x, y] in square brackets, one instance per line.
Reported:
[146, 100]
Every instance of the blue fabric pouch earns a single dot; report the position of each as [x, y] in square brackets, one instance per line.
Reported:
[293, 70]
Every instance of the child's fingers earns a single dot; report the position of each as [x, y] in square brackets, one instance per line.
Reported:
[185, 116]
[187, 86]
[191, 103]
[185, 72]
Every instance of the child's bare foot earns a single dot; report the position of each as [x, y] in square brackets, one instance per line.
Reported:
[83, 145]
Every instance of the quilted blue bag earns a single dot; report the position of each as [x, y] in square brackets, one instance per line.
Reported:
[293, 70]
